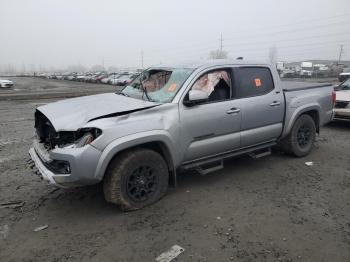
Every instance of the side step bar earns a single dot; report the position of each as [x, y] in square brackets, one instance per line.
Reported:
[205, 169]
[215, 163]
[260, 153]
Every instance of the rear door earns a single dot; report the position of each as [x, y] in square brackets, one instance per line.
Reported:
[262, 105]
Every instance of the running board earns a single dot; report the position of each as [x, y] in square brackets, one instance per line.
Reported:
[260, 153]
[208, 168]
[214, 163]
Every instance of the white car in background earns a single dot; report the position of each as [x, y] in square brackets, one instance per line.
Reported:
[124, 80]
[342, 104]
[110, 78]
[6, 83]
[345, 75]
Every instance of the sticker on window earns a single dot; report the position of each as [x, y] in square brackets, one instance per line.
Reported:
[257, 82]
[172, 87]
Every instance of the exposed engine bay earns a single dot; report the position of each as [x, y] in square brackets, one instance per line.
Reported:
[51, 139]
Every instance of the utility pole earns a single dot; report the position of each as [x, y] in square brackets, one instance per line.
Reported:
[340, 53]
[221, 44]
[141, 59]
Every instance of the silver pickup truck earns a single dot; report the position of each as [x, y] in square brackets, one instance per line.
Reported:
[171, 118]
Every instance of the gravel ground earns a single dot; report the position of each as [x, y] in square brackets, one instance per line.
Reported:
[274, 208]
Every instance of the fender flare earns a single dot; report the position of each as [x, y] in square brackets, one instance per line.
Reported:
[297, 113]
[134, 140]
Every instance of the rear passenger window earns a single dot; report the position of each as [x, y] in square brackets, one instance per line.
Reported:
[254, 81]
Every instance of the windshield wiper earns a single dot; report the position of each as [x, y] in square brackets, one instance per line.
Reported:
[144, 90]
[123, 94]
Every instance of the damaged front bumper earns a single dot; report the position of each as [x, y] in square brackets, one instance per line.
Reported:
[342, 114]
[79, 170]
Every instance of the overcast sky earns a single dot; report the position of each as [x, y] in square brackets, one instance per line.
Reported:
[58, 33]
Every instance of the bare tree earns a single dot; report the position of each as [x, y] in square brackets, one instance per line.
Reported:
[97, 68]
[218, 54]
[76, 68]
[113, 69]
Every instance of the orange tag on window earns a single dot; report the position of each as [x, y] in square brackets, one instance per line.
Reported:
[257, 82]
[172, 87]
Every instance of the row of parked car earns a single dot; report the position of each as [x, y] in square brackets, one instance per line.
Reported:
[121, 79]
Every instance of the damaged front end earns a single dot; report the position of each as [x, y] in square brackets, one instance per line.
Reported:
[50, 138]
[55, 155]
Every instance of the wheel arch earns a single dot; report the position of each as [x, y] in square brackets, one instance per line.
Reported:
[311, 110]
[160, 143]
[315, 115]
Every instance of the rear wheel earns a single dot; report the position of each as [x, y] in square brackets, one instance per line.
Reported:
[301, 138]
[135, 179]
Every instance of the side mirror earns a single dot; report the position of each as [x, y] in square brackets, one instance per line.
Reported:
[196, 97]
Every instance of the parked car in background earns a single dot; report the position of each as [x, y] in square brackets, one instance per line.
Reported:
[88, 78]
[42, 75]
[108, 78]
[80, 78]
[72, 77]
[175, 118]
[344, 75]
[288, 73]
[99, 77]
[306, 69]
[124, 80]
[6, 83]
[342, 104]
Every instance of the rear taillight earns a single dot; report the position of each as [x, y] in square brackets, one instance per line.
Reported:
[334, 96]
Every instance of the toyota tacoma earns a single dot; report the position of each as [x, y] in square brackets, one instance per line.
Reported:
[172, 118]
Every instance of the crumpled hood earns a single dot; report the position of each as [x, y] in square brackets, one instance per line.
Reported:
[343, 95]
[74, 113]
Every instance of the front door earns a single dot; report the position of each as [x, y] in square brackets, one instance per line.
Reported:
[211, 127]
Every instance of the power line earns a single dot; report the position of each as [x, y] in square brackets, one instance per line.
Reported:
[314, 45]
[288, 31]
[265, 32]
[245, 43]
[298, 22]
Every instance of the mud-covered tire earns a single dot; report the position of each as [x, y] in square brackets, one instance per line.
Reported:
[135, 179]
[301, 138]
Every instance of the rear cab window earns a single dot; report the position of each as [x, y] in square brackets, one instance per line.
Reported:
[253, 81]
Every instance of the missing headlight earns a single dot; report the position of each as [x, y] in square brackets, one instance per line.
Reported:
[59, 167]
[85, 140]
[87, 135]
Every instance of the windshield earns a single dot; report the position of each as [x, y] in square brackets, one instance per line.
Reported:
[157, 85]
[343, 86]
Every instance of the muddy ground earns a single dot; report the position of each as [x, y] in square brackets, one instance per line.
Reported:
[274, 208]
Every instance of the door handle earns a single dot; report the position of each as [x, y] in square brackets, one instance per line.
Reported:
[275, 103]
[233, 111]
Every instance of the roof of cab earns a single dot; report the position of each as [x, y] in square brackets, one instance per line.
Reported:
[209, 63]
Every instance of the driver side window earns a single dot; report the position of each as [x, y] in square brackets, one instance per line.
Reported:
[216, 83]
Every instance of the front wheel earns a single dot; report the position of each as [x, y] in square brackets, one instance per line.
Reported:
[301, 138]
[135, 179]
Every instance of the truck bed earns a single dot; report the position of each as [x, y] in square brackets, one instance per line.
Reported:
[289, 86]
[313, 96]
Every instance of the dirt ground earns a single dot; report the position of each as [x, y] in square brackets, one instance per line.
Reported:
[274, 208]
